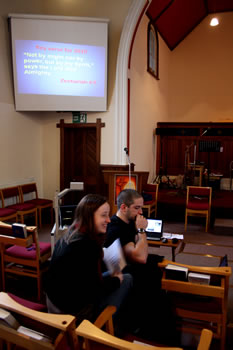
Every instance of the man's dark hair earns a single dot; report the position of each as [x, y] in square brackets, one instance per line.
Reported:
[127, 197]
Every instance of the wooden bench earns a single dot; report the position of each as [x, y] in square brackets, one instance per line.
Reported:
[199, 306]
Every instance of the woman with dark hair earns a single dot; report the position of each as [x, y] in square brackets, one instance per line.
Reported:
[74, 283]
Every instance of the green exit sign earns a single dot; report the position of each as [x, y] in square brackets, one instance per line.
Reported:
[79, 117]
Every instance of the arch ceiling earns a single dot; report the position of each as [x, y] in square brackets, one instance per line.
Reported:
[175, 19]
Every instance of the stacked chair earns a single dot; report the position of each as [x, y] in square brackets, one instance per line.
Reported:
[7, 214]
[12, 194]
[38, 202]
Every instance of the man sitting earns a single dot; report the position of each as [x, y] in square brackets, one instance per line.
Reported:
[149, 314]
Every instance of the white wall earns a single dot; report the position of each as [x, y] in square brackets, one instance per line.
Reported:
[30, 143]
[196, 85]
[148, 101]
[201, 74]
[20, 145]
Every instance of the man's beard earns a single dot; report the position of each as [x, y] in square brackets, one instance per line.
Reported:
[130, 217]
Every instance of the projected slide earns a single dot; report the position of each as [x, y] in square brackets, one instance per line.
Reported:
[49, 68]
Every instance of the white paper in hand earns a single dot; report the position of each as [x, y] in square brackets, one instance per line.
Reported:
[114, 257]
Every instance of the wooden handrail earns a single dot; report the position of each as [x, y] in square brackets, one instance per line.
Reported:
[221, 270]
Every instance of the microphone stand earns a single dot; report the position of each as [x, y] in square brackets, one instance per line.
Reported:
[127, 155]
[129, 162]
[187, 160]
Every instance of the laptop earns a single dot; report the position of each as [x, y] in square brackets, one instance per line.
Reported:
[154, 230]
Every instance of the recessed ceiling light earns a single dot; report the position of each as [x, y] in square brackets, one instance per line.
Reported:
[214, 22]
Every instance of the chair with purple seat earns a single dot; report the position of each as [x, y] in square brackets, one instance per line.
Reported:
[23, 256]
[28, 303]
[12, 194]
[45, 331]
[34, 328]
[40, 203]
[198, 203]
[7, 214]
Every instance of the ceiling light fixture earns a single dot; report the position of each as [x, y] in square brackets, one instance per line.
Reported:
[214, 22]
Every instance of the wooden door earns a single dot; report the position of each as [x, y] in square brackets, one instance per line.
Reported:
[80, 156]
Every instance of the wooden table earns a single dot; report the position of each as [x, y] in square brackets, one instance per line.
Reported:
[169, 244]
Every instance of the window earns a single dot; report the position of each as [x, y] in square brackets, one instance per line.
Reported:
[152, 51]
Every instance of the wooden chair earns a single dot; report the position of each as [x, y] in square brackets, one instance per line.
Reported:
[205, 339]
[151, 205]
[23, 256]
[28, 303]
[40, 203]
[7, 214]
[198, 203]
[59, 328]
[199, 306]
[94, 338]
[22, 209]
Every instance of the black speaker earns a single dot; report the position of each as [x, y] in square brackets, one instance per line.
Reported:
[177, 131]
[219, 132]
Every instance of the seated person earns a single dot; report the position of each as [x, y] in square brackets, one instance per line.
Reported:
[74, 283]
[129, 225]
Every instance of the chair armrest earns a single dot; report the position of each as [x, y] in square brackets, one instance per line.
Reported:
[221, 271]
[205, 339]
[89, 331]
[61, 322]
[23, 242]
[105, 319]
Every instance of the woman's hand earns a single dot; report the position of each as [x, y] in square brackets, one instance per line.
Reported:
[119, 275]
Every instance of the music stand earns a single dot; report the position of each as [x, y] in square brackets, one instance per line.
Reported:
[186, 160]
[158, 178]
[209, 146]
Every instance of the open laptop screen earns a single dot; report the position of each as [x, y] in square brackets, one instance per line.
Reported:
[154, 229]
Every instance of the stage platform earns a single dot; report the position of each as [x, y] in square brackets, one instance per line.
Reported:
[171, 204]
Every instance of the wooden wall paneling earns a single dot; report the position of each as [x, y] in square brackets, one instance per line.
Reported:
[175, 153]
[227, 155]
[174, 138]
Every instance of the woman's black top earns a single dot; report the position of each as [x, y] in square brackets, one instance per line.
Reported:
[74, 281]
